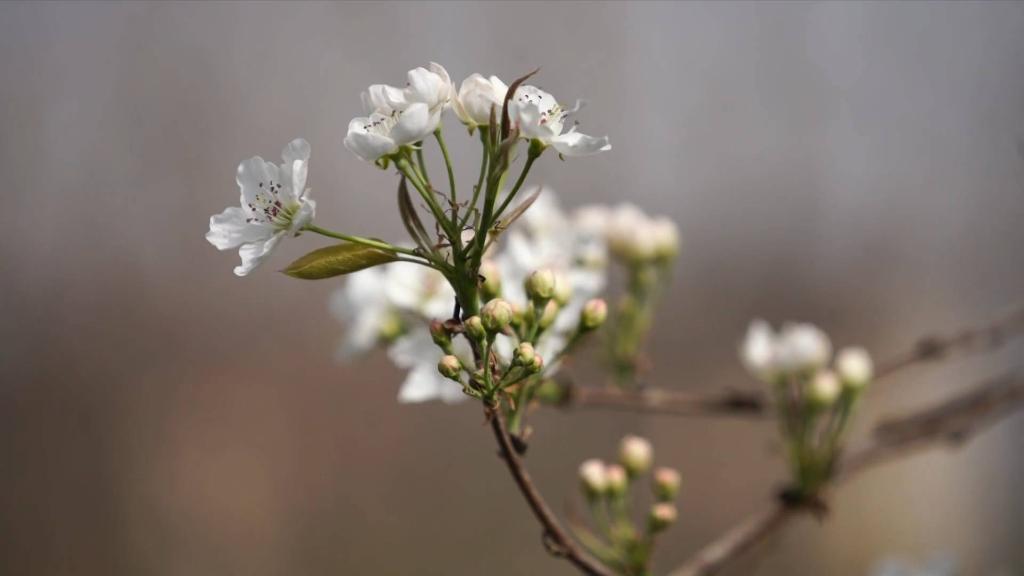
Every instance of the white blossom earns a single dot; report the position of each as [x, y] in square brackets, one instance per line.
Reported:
[538, 115]
[398, 117]
[477, 97]
[758, 350]
[274, 203]
[802, 346]
[854, 366]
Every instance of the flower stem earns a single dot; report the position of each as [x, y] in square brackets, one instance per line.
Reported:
[484, 157]
[360, 240]
[410, 172]
[451, 174]
[422, 163]
[519, 183]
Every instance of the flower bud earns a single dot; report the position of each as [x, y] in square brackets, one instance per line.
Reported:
[854, 367]
[802, 347]
[540, 285]
[547, 318]
[662, 515]
[517, 314]
[496, 315]
[563, 289]
[594, 313]
[616, 478]
[439, 333]
[593, 478]
[535, 365]
[636, 454]
[666, 484]
[824, 389]
[666, 237]
[490, 286]
[474, 328]
[758, 350]
[450, 367]
[524, 354]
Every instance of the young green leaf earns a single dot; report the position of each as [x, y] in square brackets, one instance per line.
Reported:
[337, 260]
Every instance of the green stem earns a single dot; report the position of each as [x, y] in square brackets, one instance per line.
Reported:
[519, 183]
[451, 174]
[360, 240]
[410, 172]
[484, 156]
[422, 163]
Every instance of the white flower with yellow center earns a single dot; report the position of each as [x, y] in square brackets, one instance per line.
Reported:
[274, 203]
[538, 116]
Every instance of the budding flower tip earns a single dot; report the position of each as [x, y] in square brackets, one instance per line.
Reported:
[540, 285]
[662, 515]
[666, 483]
[636, 454]
[594, 313]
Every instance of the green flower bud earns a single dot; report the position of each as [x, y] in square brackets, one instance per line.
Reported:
[535, 365]
[439, 333]
[524, 354]
[824, 388]
[496, 315]
[563, 290]
[490, 286]
[547, 318]
[617, 480]
[474, 328]
[594, 313]
[593, 478]
[662, 515]
[635, 454]
[540, 285]
[666, 484]
[450, 367]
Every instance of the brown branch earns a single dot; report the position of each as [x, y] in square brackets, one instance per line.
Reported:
[556, 540]
[747, 402]
[953, 422]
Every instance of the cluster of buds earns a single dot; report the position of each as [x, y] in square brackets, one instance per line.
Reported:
[645, 246]
[606, 487]
[814, 399]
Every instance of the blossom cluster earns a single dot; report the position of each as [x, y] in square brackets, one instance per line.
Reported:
[617, 540]
[403, 116]
[814, 399]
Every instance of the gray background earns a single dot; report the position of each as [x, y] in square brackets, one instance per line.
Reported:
[854, 165]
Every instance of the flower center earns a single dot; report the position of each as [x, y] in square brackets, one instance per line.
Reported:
[382, 124]
[266, 207]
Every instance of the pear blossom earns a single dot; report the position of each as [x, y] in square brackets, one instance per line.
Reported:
[854, 366]
[757, 351]
[477, 97]
[802, 346]
[537, 115]
[274, 203]
[398, 117]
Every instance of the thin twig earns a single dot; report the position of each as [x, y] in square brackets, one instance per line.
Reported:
[749, 402]
[954, 421]
[556, 540]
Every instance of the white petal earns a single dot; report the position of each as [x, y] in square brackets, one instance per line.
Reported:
[415, 124]
[296, 166]
[424, 383]
[254, 178]
[303, 216]
[365, 145]
[229, 229]
[415, 348]
[383, 97]
[576, 144]
[253, 254]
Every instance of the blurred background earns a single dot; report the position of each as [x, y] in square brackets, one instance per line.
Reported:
[854, 165]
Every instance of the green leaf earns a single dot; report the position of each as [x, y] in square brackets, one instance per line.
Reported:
[337, 260]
